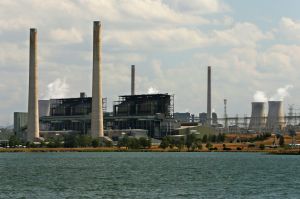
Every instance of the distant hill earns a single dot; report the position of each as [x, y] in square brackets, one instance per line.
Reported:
[7, 126]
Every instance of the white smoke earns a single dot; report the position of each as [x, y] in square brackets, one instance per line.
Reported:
[57, 89]
[281, 93]
[260, 96]
[152, 90]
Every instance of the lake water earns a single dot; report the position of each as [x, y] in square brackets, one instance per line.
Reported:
[149, 175]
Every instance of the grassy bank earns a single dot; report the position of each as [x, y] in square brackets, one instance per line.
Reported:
[115, 149]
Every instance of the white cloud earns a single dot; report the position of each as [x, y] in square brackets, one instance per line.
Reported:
[199, 6]
[170, 41]
[241, 34]
[66, 35]
[289, 28]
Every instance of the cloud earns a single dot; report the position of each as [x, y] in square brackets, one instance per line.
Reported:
[289, 28]
[241, 34]
[170, 41]
[199, 6]
[66, 35]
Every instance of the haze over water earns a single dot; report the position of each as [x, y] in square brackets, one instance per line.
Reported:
[148, 175]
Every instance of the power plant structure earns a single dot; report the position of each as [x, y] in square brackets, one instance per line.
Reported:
[33, 131]
[151, 114]
[132, 79]
[208, 95]
[97, 113]
[275, 118]
[257, 121]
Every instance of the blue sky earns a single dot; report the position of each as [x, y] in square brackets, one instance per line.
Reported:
[251, 45]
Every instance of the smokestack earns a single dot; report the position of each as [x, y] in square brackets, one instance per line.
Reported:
[132, 79]
[275, 118]
[97, 112]
[209, 95]
[257, 121]
[33, 130]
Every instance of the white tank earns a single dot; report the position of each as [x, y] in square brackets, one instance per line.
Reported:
[257, 121]
[275, 118]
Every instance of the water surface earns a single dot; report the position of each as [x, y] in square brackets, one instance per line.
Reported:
[149, 175]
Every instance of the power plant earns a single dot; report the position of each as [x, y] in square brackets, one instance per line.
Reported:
[33, 130]
[97, 113]
[275, 118]
[150, 114]
[209, 95]
[257, 121]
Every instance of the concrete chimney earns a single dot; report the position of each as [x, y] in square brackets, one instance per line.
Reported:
[97, 112]
[209, 95]
[33, 130]
[132, 80]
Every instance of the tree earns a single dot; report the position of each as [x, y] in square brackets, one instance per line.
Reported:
[208, 145]
[71, 141]
[143, 142]
[108, 143]
[190, 140]
[95, 143]
[13, 141]
[164, 143]
[180, 143]
[212, 138]
[84, 140]
[221, 137]
[198, 144]
[204, 139]
[149, 143]
[262, 146]
[281, 141]
[133, 143]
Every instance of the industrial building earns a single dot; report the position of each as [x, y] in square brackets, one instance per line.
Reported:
[153, 112]
[69, 114]
[20, 123]
[182, 117]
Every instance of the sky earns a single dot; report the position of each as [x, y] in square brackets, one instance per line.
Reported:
[253, 47]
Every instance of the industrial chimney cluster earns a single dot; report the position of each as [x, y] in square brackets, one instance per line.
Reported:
[33, 110]
[274, 120]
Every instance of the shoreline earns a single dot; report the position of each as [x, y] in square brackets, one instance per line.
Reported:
[114, 149]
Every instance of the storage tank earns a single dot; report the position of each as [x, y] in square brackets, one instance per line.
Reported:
[275, 115]
[257, 121]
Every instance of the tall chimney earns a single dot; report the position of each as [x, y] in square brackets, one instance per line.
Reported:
[132, 79]
[209, 95]
[33, 130]
[97, 112]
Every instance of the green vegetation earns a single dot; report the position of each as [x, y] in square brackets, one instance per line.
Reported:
[262, 146]
[281, 141]
[192, 141]
[14, 141]
[134, 143]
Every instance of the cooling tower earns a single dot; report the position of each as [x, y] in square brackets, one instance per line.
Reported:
[257, 121]
[275, 115]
